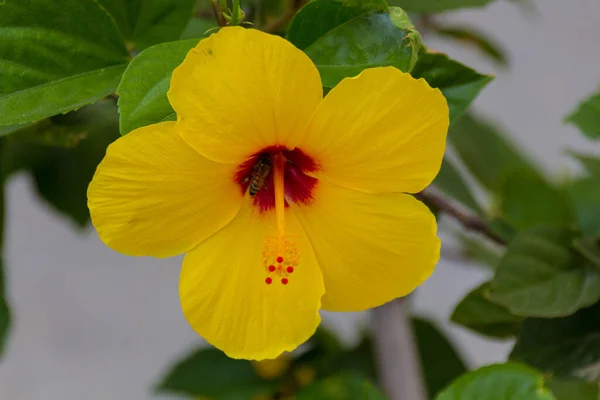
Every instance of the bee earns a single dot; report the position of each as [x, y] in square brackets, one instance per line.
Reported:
[259, 173]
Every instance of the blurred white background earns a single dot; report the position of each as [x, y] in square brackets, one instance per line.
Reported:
[92, 324]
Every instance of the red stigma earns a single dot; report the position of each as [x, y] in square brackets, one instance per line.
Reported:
[271, 268]
[284, 281]
[268, 281]
[290, 269]
[279, 259]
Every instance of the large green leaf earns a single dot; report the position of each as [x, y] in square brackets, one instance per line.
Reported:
[562, 346]
[341, 387]
[487, 153]
[369, 40]
[540, 275]
[440, 361]
[573, 389]
[55, 59]
[143, 90]
[147, 22]
[499, 382]
[452, 183]
[527, 200]
[435, 6]
[585, 195]
[587, 116]
[209, 372]
[479, 314]
[459, 84]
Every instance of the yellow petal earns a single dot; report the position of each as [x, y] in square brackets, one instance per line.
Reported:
[382, 131]
[226, 298]
[152, 194]
[242, 90]
[371, 248]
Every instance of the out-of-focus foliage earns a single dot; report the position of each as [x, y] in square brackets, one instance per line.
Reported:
[587, 116]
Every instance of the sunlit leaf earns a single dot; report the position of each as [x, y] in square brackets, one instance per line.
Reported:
[587, 116]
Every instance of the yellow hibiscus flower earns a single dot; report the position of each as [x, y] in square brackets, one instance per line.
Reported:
[284, 201]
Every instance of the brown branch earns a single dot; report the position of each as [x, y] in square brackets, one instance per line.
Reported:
[218, 13]
[468, 221]
[279, 23]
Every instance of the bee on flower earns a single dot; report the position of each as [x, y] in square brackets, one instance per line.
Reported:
[284, 201]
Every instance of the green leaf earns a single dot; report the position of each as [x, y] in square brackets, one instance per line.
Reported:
[540, 275]
[498, 382]
[440, 362]
[476, 39]
[51, 62]
[436, 6]
[573, 389]
[478, 313]
[587, 116]
[591, 163]
[209, 372]
[487, 153]
[527, 200]
[198, 28]
[481, 250]
[369, 40]
[452, 183]
[585, 195]
[341, 387]
[143, 89]
[562, 346]
[149, 22]
[589, 248]
[459, 84]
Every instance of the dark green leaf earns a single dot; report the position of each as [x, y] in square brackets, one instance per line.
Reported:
[143, 90]
[589, 248]
[527, 200]
[474, 38]
[498, 382]
[585, 195]
[436, 6]
[487, 153]
[540, 275]
[360, 359]
[440, 362]
[341, 387]
[209, 372]
[369, 40]
[479, 314]
[573, 389]
[320, 17]
[591, 163]
[562, 346]
[324, 353]
[480, 249]
[8, 129]
[452, 183]
[56, 59]
[501, 227]
[459, 84]
[587, 116]
[198, 28]
[149, 22]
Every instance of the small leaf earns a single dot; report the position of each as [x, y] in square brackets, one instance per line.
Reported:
[585, 195]
[459, 84]
[591, 163]
[479, 314]
[209, 372]
[52, 64]
[573, 389]
[474, 38]
[436, 6]
[498, 382]
[143, 89]
[452, 183]
[587, 116]
[567, 346]
[487, 153]
[341, 387]
[540, 275]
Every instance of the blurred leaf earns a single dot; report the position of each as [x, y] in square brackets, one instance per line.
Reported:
[459, 84]
[149, 22]
[360, 359]
[209, 372]
[589, 248]
[501, 227]
[8, 129]
[198, 28]
[143, 90]
[498, 382]
[527, 200]
[324, 352]
[440, 362]
[53, 64]
[451, 182]
[587, 116]
[573, 389]
[319, 17]
[540, 275]
[585, 195]
[591, 163]
[476, 39]
[436, 6]
[341, 387]
[368, 40]
[479, 314]
[487, 153]
[562, 346]
[481, 250]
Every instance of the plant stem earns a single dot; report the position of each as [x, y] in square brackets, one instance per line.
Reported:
[468, 221]
[218, 13]
[235, 13]
[396, 354]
